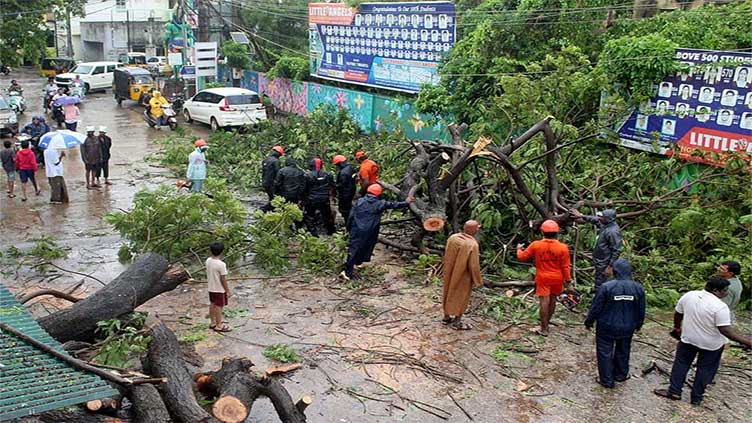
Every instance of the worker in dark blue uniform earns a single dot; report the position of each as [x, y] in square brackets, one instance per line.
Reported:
[345, 186]
[608, 245]
[364, 225]
[619, 309]
[319, 187]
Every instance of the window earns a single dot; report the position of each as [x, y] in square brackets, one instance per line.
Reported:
[82, 69]
[243, 99]
[120, 4]
[111, 68]
[202, 97]
[98, 70]
[215, 98]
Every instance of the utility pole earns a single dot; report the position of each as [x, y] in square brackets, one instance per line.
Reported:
[128, 30]
[57, 47]
[69, 50]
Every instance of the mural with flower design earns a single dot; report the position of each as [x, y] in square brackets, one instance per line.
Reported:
[287, 95]
[360, 105]
[391, 113]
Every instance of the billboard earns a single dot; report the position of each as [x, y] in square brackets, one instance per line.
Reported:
[396, 46]
[706, 109]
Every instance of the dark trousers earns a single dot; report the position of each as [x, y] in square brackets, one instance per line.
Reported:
[311, 219]
[71, 126]
[600, 275]
[707, 366]
[104, 169]
[268, 206]
[58, 190]
[613, 358]
[344, 205]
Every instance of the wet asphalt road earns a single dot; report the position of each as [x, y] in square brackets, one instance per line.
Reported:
[132, 141]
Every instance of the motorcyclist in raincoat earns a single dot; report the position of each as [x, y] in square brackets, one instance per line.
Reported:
[608, 245]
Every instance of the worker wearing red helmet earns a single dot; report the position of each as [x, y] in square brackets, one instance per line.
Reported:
[269, 170]
[368, 174]
[345, 185]
[364, 225]
[553, 270]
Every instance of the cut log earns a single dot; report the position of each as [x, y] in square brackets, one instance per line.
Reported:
[148, 405]
[279, 370]
[74, 414]
[104, 405]
[303, 403]
[237, 388]
[507, 284]
[164, 359]
[146, 278]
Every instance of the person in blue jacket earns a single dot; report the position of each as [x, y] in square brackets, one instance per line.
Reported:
[608, 245]
[364, 224]
[619, 310]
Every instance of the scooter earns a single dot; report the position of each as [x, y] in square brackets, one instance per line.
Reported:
[177, 100]
[58, 115]
[48, 101]
[169, 118]
[78, 90]
[33, 144]
[16, 101]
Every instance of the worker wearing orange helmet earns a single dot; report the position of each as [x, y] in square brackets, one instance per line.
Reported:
[364, 225]
[345, 185]
[197, 165]
[269, 170]
[553, 270]
[368, 174]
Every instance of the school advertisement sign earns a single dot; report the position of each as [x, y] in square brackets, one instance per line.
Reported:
[395, 46]
[707, 109]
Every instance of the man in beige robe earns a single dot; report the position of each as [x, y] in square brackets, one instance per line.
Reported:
[461, 274]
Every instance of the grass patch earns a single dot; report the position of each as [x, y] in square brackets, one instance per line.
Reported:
[236, 313]
[281, 353]
[195, 333]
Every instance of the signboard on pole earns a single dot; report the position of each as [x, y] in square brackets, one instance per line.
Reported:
[188, 72]
[705, 110]
[397, 46]
[205, 59]
[175, 59]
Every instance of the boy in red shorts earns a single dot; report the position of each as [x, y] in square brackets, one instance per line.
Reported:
[552, 270]
[219, 291]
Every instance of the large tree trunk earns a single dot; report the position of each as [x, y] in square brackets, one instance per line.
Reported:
[148, 405]
[143, 280]
[237, 388]
[164, 359]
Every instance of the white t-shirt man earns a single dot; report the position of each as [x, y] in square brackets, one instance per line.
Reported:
[703, 314]
[53, 166]
[214, 269]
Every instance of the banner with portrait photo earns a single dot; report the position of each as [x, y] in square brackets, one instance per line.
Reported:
[707, 109]
[396, 46]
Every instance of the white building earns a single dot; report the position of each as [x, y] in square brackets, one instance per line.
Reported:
[113, 27]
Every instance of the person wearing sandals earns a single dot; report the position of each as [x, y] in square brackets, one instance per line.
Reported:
[461, 274]
[91, 154]
[106, 144]
[219, 290]
[26, 164]
[8, 158]
[553, 270]
[702, 322]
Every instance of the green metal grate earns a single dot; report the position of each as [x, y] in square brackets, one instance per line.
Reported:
[32, 381]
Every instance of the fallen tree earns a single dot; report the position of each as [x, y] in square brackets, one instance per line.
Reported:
[143, 280]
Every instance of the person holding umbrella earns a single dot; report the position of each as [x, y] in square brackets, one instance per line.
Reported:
[54, 144]
[70, 111]
[91, 154]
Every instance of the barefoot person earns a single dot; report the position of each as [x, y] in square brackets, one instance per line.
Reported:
[552, 270]
[461, 274]
[219, 290]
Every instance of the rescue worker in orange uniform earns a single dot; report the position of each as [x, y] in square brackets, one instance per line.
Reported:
[368, 173]
[553, 270]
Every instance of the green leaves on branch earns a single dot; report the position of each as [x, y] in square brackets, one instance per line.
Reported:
[271, 234]
[236, 55]
[292, 67]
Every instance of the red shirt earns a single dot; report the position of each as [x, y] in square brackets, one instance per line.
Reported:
[25, 160]
[552, 263]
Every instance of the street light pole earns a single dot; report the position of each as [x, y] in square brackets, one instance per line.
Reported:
[70, 35]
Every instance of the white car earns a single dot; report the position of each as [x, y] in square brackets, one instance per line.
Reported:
[95, 75]
[158, 63]
[225, 107]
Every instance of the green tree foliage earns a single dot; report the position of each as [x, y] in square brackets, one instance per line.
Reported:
[271, 234]
[281, 27]
[236, 55]
[292, 67]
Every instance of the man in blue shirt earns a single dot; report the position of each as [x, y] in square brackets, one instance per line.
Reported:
[619, 309]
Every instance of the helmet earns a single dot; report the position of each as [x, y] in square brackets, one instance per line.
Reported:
[360, 154]
[374, 189]
[199, 142]
[549, 226]
[338, 159]
[279, 149]
[156, 93]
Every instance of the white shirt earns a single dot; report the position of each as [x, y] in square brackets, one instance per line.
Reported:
[51, 156]
[214, 269]
[703, 314]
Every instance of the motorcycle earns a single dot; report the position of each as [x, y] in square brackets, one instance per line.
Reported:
[169, 118]
[78, 90]
[34, 145]
[58, 115]
[177, 100]
[4, 69]
[16, 101]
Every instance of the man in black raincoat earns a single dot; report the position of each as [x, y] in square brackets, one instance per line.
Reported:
[619, 309]
[290, 182]
[608, 244]
[318, 189]
[345, 185]
[364, 225]
[269, 170]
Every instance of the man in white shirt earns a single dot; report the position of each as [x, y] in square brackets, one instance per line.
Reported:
[53, 166]
[701, 320]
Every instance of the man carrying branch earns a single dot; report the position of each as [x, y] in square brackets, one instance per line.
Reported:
[608, 245]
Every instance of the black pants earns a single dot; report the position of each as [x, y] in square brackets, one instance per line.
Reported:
[344, 205]
[268, 206]
[600, 275]
[104, 169]
[708, 362]
[312, 221]
[613, 358]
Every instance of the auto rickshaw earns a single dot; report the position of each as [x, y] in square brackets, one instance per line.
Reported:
[52, 66]
[133, 59]
[131, 83]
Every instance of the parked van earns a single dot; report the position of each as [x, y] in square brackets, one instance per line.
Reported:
[95, 75]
